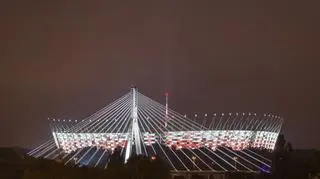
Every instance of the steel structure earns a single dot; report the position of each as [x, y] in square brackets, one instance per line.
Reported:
[141, 126]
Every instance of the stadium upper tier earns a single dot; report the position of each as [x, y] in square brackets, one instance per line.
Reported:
[137, 124]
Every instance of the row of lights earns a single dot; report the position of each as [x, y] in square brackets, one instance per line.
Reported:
[64, 120]
[69, 120]
[243, 114]
[195, 115]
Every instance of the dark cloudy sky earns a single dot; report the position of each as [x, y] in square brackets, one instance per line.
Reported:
[69, 58]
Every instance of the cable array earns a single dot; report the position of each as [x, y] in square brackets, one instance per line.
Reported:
[139, 125]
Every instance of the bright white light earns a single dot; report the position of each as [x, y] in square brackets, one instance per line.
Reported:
[236, 139]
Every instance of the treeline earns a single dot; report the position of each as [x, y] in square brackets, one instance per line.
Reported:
[137, 167]
[290, 163]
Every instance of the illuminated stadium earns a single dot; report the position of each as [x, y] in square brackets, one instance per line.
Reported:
[137, 125]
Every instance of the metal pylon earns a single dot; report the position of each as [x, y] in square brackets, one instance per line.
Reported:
[134, 133]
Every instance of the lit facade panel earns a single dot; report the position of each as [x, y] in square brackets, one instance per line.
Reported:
[70, 142]
[235, 139]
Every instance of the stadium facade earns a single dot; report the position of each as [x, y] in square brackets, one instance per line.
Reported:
[139, 125]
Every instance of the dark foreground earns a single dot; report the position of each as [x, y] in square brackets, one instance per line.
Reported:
[286, 165]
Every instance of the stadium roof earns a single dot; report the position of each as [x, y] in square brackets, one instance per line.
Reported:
[142, 126]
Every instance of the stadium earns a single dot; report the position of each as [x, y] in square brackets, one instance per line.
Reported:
[134, 124]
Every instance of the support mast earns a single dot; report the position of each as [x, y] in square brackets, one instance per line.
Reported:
[134, 134]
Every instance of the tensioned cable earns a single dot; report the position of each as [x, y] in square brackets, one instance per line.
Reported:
[79, 126]
[170, 148]
[143, 114]
[171, 112]
[201, 151]
[109, 107]
[160, 108]
[122, 117]
[125, 106]
[149, 109]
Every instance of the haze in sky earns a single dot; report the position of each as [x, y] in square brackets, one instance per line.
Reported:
[67, 60]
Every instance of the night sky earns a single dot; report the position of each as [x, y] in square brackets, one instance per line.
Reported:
[67, 60]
